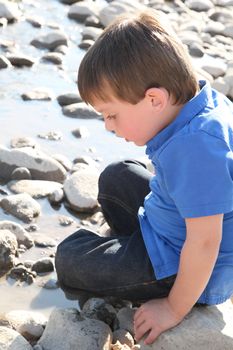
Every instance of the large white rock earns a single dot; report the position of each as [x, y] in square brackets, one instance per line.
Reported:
[22, 236]
[9, 10]
[205, 328]
[40, 165]
[12, 340]
[8, 249]
[83, 9]
[199, 5]
[22, 206]
[66, 330]
[29, 324]
[36, 188]
[81, 189]
[80, 110]
[51, 40]
[118, 7]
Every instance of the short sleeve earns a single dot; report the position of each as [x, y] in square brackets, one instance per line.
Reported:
[198, 171]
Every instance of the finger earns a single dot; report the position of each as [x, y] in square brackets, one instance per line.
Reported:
[152, 336]
[139, 311]
[141, 330]
[139, 321]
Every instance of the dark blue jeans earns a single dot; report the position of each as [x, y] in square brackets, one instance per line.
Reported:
[118, 265]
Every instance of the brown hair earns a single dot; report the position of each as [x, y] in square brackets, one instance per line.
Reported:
[135, 53]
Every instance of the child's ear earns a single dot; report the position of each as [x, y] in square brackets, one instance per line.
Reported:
[157, 97]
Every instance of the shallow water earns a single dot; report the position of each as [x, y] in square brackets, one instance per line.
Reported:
[19, 118]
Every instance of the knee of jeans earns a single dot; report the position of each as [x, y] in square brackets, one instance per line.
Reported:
[108, 174]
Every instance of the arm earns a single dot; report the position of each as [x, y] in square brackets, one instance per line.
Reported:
[197, 260]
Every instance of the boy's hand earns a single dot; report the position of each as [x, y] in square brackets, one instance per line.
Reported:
[155, 317]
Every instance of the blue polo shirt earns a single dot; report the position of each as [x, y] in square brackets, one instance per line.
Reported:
[193, 159]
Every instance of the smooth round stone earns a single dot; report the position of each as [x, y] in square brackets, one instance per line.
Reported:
[93, 21]
[199, 5]
[68, 98]
[38, 95]
[86, 44]
[53, 57]
[19, 142]
[19, 60]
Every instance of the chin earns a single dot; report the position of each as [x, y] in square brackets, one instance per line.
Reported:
[139, 143]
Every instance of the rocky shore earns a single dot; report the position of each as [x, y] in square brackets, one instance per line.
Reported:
[31, 176]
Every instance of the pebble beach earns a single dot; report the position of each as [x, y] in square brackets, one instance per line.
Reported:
[53, 148]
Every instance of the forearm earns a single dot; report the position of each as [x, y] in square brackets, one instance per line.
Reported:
[196, 265]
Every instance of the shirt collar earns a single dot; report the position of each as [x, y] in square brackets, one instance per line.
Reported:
[188, 112]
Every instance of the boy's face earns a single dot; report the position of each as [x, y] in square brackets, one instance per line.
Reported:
[136, 123]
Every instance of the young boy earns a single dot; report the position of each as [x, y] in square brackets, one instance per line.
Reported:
[171, 244]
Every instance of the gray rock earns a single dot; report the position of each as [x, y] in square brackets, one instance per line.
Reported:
[35, 21]
[22, 206]
[62, 49]
[221, 85]
[23, 274]
[199, 5]
[196, 50]
[81, 132]
[214, 28]
[40, 165]
[68, 98]
[12, 340]
[69, 2]
[44, 241]
[81, 189]
[51, 284]
[93, 21]
[98, 309]
[50, 41]
[124, 319]
[38, 95]
[4, 62]
[91, 33]
[204, 328]
[19, 142]
[9, 10]
[21, 173]
[221, 15]
[86, 44]
[228, 30]
[51, 135]
[22, 236]
[82, 9]
[56, 197]
[29, 324]
[36, 188]
[43, 265]
[82, 333]
[216, 68]
[20, 60]
[80, 110]
[118, 7]
[83, 160]
[65, 220]
[8, 249]
[53, 57]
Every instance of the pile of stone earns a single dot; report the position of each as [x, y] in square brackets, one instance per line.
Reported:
[107, 324]
[205, 27]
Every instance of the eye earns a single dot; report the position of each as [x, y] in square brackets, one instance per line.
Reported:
[110, 117]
